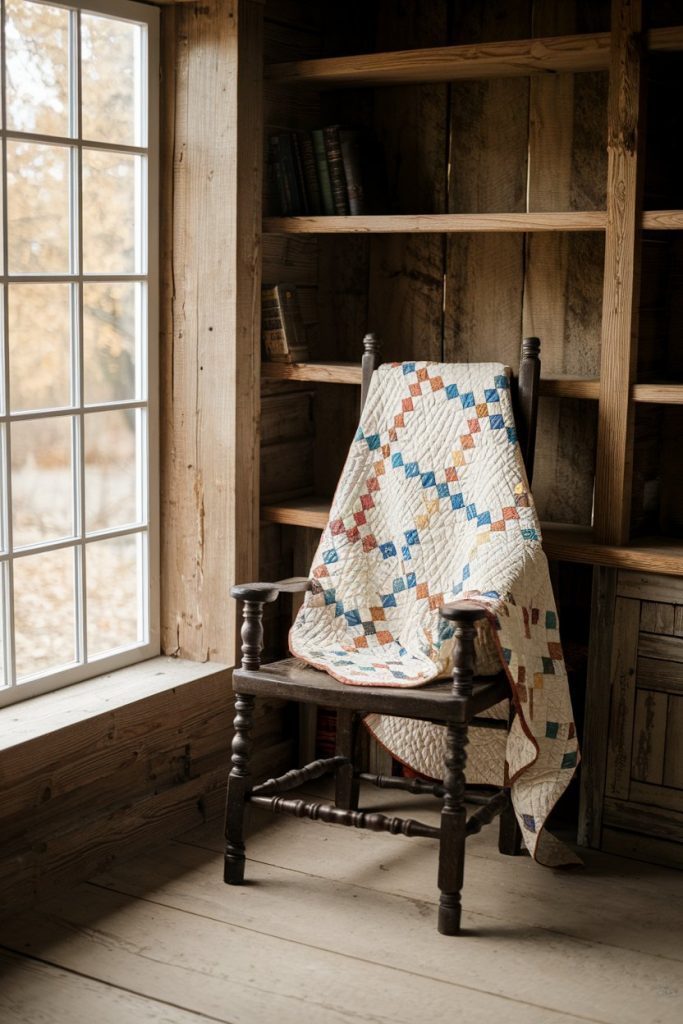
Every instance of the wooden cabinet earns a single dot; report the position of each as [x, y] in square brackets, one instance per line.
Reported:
[520, 196]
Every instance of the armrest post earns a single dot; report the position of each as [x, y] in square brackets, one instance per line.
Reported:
[253, 596]
[464, 614]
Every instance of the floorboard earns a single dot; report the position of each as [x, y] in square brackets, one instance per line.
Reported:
[339, 925]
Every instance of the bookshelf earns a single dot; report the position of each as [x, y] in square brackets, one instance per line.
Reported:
[522, 198]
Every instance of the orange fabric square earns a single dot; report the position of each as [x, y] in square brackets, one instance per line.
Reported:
[555, 651]
[435, 601]
[467, 441]
[475, 426]
[399, 421]
[361, 641]
[415, 390]
[369, 543]
[510, 513]
[422, 373]
[436, 383]
[407, 404]
[384, 637]
[482, 409]
[422, 590]
[377, 614]
[379, 469]
[538, 680]
[498, 526]
[458, 459]
[451, 475]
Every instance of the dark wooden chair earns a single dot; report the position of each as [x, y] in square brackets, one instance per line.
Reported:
[457, 705]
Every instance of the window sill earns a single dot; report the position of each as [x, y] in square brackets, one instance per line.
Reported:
[37, 717]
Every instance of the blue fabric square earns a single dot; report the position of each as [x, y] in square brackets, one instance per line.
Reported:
[497, 422]
[551, 729]
[467, 400]
[388, 550]
[529, 822]
[399, 585]
[330, 556]
[442, 490]
[507, 654]
[550, 620]
[408, 368]
[330, 596]
[484, 519]
[530, 534]
[353, 617]
[472, 511]
[339, 608]
[388, 601]
[457, 501]
[428, 480]
[466, 572]
[548, 666]
[569, 759]
[373, 442]
[512, 435]
[396, 460]
[411, 580]
[412, 469]
[405, 551]
[491, 395]
[412, 536]
[451, 391]
[359, 435]
[501, 381]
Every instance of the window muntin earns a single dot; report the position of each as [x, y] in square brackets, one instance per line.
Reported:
[78, 410]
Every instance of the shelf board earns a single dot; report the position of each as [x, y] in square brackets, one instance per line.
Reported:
[659, 394]
[662, 220]
[350, 373]
[310, 511]
[569, 387]
[439, 223]
[560, 543]
[509, 59]
[323, 373]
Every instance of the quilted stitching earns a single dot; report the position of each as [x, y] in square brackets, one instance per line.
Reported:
[433, 505]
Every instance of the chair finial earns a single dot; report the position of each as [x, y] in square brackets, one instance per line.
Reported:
[531, 348]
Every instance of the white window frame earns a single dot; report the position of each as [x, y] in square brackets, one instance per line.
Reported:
[148, 439]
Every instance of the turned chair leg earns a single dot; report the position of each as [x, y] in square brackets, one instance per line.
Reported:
[453, 824]
[239, 787]
[346, 786]
[509, 832]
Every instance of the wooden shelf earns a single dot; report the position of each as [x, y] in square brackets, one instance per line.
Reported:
[322, 373]
[662, 220]
[560, 543]
[439, 223]
[312, 512]
[510, 59]
[658, 394]
[350, 373]
[568, 387]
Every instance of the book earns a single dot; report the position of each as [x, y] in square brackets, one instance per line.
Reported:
[323, 170]
[282, 327]
[335, 165]
[310, 169]
[284, 174]
[304, 205]
[349, 141]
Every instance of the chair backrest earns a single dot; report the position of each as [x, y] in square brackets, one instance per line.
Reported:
[525, 392]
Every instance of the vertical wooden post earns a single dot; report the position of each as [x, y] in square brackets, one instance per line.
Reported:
[621, 284]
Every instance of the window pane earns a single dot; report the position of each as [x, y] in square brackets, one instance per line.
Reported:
[111, 80]
[39, 318]
[38, 208]
[111, 470]
[110, 216]
[44, 611]
[3, 463]
[42, 487]
[111, 323]
[113, 572]
[3, 591]
[37, 46]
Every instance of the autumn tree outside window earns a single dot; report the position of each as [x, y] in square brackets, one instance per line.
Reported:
[78, 395]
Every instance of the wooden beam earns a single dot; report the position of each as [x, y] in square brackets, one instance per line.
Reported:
[621, 286]
[211, 156]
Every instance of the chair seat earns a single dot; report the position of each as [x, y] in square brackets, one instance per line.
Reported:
[293, 679]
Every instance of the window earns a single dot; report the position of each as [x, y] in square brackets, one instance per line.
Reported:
[78, 430]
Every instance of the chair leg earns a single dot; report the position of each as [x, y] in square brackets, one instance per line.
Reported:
[509, 832]
[239, 787]
[453, 824]
[346, 787]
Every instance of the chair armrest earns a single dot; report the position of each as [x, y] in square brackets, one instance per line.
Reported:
[264, 593]
[462, 611]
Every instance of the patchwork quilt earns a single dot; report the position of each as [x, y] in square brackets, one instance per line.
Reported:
[433, 505]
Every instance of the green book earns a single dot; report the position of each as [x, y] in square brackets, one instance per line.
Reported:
[323, 171]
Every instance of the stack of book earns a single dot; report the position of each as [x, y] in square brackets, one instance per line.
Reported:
[317, 173]
[282, 326]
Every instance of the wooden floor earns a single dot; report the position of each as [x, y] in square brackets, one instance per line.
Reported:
[339, 925]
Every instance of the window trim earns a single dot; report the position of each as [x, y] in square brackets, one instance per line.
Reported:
[127, 10]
